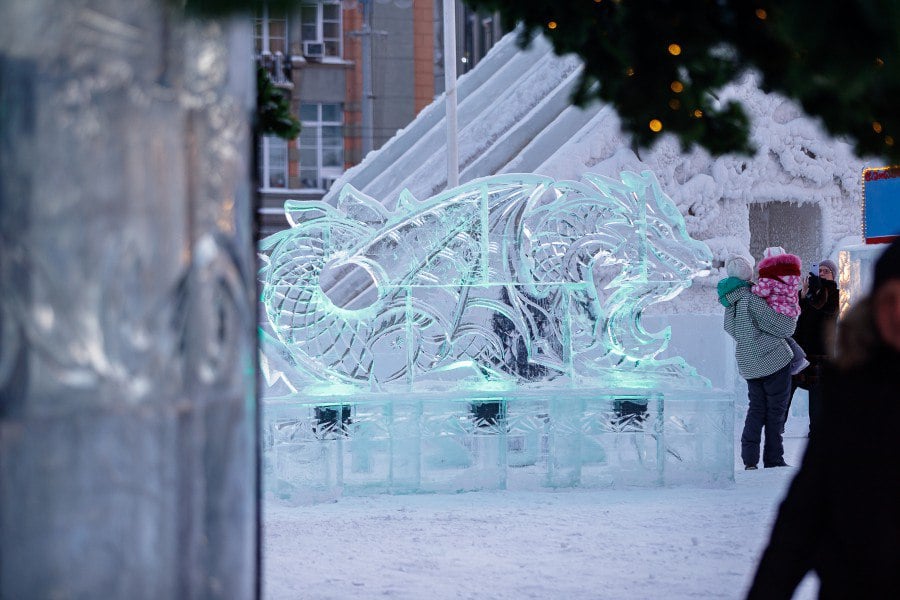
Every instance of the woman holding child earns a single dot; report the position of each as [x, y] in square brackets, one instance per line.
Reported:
[761, 318]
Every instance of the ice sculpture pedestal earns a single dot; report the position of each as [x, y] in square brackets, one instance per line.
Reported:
[320, 448]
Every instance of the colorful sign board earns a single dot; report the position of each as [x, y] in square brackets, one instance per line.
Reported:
[881, 204]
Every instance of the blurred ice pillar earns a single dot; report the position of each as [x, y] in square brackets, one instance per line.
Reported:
[127, 344]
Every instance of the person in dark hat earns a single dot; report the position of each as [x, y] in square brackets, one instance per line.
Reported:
[819, 304]
[841, 515]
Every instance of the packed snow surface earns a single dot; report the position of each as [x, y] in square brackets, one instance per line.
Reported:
[571, 544]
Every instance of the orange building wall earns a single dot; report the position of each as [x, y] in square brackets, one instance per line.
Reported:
[352, 18]
[423, 53]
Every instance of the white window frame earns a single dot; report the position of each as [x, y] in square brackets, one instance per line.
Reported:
[322, 172]
[320, 27]
[263, 27]
[266, 166]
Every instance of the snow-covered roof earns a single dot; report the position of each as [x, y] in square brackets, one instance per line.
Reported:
[514, 115]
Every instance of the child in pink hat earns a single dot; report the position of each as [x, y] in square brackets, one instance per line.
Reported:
[779, 282]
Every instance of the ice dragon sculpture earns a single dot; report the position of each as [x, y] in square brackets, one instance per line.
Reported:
[513, 277]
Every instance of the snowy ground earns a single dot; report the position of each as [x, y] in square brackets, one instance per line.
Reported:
[577, 544]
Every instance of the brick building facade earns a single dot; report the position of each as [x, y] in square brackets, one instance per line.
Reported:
[316, 55]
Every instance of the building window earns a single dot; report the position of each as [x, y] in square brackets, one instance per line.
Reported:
[270, 40]
[487, 32]
[321, 145]
[273, 163]
[270, 34]
[321, 22]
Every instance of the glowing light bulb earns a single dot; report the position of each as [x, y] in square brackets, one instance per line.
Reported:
[674, 49]
[698, 113]
[761, 14]
[655, 125]
[551, 25]
[876, 126]
[676, 87]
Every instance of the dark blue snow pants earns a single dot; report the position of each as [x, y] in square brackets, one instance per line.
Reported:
[768, 400]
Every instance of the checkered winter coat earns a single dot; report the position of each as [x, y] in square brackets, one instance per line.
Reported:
[758, 332]
[779, 282]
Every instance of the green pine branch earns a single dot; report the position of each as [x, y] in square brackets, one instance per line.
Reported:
[664, 62]
[273, 109]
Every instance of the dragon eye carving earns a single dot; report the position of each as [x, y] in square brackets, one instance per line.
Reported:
[349, 286]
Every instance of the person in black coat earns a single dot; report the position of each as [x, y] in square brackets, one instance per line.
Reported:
[819, 304]
[841, 515]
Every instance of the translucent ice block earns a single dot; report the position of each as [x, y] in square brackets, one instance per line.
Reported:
[524, 440]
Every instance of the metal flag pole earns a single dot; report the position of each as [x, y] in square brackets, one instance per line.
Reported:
[367, 120]
[449, 10]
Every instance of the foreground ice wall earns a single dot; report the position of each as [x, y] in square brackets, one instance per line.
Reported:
[128, 427]
[496, 325]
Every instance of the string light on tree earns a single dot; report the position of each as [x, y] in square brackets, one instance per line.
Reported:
[655, 125]
[777, 42]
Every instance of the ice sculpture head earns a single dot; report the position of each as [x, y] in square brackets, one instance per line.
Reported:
[512, 277]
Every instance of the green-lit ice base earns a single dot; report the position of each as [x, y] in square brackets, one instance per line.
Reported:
[519, 440]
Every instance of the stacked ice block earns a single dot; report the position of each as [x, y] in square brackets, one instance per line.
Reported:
[581, 438]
